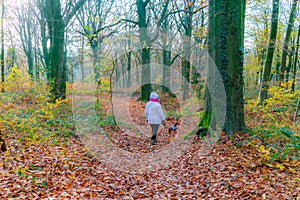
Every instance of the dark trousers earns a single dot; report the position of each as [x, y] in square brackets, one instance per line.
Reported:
[154, 128]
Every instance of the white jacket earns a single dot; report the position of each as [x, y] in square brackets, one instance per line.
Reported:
[154, 113]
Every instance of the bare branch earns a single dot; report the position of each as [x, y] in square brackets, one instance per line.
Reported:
[146, 2]
[174, 58]
[131, 21]
[199, 9]
[73, 11]
[108, 26]
[163, 15]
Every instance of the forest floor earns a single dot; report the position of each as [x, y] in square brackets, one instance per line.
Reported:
[67, 168]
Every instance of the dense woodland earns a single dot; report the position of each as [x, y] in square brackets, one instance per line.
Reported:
[76, 75]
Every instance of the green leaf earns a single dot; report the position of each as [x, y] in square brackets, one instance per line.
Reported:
[20, 173]
[44, 184]
[286, 131]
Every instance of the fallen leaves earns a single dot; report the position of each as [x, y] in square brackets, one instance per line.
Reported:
[67, 173]
[65, 169]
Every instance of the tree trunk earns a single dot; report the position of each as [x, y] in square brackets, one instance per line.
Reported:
[146, 73]
[2, 47]
[166, 46]
[145, 43]
[166, 70]
[288, 68]
[277, 66]
[270, 53]
[65, 57]
[56, 29]
[186, 65]
[93, 28]
[46, 56]
[55, 68]
[29, 49]
[25, 30]
[10, 58]
[295, 61]
[186, 68]
[82, 59]
[96, 62]
[44, 24]
[128, 56]
[226, 39]
[206, 117]
[286, 41]
[36, 61]
[95, 45]
[11, 53]
[115, 66]
[123, 71]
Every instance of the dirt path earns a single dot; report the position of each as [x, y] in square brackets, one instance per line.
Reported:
[127, 147]
[119, 165]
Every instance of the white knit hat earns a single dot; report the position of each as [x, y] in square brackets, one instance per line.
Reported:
[154, 95]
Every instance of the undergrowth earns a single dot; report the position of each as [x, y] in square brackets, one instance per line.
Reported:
[273, 132]
[28, 114]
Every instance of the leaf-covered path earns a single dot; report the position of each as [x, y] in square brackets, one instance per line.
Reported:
[67, 170]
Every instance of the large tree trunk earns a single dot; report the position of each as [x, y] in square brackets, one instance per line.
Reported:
[96, 62]
[166, 81]
[270, 53]
[166, 46]
[226, 30]
[146, 74]
[186, 67]
[52, 18]
[145, 42]
[56, 29]
[286, 41]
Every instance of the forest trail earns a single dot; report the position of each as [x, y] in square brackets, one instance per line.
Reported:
[73, 170]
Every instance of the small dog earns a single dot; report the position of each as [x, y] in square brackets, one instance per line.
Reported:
[173, 128]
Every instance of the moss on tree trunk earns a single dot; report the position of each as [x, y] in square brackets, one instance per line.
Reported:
[225, 43]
